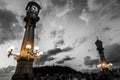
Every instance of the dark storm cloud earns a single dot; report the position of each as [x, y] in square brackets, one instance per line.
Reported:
[112, 53]
[59, 43]
[62, 6]
[67, 49]
[53, 33]
[80, 65]
[9, 26]
[79, 41]
[2, 4]
[98, 5]
[115, 10]
[39, 28]
[49, 6]
[106, 29]
[100, 9]
[6, 71]
[59, 3]
[58, 34]
[50, 59]
[75, 6]
[110, 39]
[48, 55]
[60, 62]
[113, 17]
[67, 58]
[56, 51]
[90, 62]
[79, 4]
[76, 3]
[100, 1]
[104, 7]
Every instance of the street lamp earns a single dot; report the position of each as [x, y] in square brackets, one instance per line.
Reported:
[104, 65]
[36, 54]
[10, 50]
[28, 52]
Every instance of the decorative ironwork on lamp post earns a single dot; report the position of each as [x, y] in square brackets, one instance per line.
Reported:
[103, 65]
[28, 52]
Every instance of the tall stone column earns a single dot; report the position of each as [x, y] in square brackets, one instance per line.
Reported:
[26, 57]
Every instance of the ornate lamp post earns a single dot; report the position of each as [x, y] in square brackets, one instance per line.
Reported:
[104, 65]
[28, 52]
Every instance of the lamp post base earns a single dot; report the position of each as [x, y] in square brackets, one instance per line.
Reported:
[23, 77]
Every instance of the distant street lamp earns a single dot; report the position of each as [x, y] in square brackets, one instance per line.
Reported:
[104, 65]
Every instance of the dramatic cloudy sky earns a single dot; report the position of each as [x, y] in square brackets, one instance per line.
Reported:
[66, 32]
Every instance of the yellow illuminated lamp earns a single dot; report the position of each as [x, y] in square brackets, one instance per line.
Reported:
[28, 54]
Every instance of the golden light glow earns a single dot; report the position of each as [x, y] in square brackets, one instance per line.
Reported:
[99, 66]
[41, 53]
[38, 54]
[28, 46]
[104, 65]
[11, 48]
[110, 64]
[18, 54]
[27, 55]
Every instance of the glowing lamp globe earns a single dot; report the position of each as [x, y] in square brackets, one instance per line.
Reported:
[41, 53]
[36, 49]
[11, 48]
[28, 46]
[99, 65]
[110, 64]
[38, 54]
[17, 54]
[103, 64]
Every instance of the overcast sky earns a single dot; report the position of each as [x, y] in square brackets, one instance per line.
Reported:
[66, 32]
